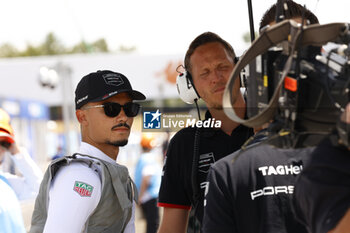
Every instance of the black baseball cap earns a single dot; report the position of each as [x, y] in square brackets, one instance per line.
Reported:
[101, 85]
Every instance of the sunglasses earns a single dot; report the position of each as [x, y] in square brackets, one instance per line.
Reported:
[113, 109]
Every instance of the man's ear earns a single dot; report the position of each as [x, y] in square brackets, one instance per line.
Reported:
[81, 116]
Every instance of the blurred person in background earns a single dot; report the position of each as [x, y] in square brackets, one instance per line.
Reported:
[165, 144]
[12, 187]
[59, 153]
[147, 180]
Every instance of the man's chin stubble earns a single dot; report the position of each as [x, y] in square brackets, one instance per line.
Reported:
[118, 143]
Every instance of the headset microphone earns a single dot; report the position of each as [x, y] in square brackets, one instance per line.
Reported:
[186, 89]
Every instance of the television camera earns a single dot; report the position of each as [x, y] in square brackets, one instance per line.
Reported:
[297, 77]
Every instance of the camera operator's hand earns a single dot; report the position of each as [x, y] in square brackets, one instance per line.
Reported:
[345, 117]
[343, 225]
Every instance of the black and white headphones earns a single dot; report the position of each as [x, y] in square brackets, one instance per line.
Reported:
[186, 88]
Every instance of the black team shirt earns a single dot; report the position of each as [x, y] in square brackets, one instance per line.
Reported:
[251, 191]
[176, 186]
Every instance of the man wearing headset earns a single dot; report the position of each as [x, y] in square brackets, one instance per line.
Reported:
[89, 191]
[209, 62]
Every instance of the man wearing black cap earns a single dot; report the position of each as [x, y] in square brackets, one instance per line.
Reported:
[89, 191]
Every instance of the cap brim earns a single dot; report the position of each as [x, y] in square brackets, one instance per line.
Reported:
[135, 95]
[6, 137]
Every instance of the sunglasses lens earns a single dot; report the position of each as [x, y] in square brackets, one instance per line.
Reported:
[112, 109]
[131, 109]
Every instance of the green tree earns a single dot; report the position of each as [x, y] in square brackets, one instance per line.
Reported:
[8, 50]
[51, 45]
[31, 51]
[123, 48]
[82, 47]
[100, 46]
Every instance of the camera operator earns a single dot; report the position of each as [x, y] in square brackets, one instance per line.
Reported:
[251, 189]
[209, 61]
[322, 191]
